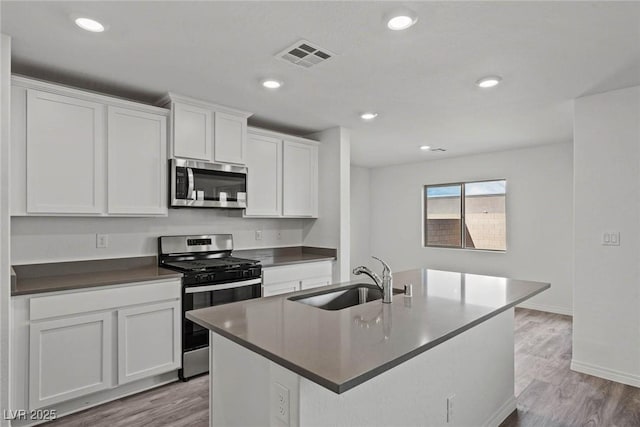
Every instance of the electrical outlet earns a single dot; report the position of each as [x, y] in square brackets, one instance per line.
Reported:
[102, 240]
[280, 402]
[450, 400]
[611, 238]
[279, 235]
[258, 234]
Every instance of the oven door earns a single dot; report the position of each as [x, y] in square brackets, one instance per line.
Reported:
[208, 295]
[207, 185]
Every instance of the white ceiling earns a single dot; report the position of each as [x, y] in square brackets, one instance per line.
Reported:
[421, 81]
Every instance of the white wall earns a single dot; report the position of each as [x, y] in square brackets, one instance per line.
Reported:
[48, 239]
[539, 218]
[360, 217]
[331, 229]
[5, 84]
[606, 324]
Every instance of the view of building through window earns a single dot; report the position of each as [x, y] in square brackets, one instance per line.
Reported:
[466, 215]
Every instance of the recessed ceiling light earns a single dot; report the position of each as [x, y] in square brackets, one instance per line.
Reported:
[89, 25]
[401, 19]
[424, 147]
[368, 116]
[489, 81]
[271, 84]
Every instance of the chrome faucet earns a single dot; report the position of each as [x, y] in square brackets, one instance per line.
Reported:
[385, 284]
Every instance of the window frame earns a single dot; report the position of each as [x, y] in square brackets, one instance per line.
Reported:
[463, 220]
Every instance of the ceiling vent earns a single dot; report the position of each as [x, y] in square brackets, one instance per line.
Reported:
[305, 54]
[438, 149]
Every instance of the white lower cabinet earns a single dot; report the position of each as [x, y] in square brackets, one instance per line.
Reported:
[71, 344]
[69, 358]
[148, 340]
[291, 278]
[280, 288]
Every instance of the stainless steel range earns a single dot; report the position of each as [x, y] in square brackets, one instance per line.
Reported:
[211, 277]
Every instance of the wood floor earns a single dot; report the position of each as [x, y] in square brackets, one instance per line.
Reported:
[548, 393]
[551, 395]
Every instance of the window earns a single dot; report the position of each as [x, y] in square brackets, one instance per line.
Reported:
[469, 215]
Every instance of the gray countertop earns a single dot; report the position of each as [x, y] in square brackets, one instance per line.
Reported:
[275, 257]
[341, 349]
[63, 276]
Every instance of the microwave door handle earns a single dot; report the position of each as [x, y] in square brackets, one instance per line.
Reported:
[191, 184]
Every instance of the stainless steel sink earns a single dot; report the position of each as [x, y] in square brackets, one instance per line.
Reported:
[345, 297]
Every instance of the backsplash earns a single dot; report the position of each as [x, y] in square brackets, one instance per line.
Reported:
[55, 239]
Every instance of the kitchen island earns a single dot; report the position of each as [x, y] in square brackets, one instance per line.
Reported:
[443, 356]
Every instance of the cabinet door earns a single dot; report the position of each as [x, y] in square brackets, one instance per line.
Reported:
[65, 154]
[149, 340]
[137, 162]
[280, 288]
[230, 140]
[192, 132]
[300, 179]
[69, 358]
[264, 177]
[315, 282]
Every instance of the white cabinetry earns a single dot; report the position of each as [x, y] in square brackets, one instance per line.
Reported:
[295, 277]
[283, 176]
[70, 344]
[79, 153]
[300, 179]
[192, 131]
[264, 179]
[69, 358]
[136, 160]
[148, 340]
[230, 141]
[65, 157]
[206, 131]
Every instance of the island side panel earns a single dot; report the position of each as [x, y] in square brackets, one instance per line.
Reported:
[239, 385]
[476, 367]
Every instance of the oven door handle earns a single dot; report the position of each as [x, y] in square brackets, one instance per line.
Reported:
[198, 289]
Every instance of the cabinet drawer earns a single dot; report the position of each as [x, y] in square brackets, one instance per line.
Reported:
[280, 288]
[315, 282]
[103, 299]
[296, 272]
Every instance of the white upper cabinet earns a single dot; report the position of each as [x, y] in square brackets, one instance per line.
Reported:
[282, 178]
[206, 131]
[230, 141]
[65, 139]
[78, 153]
[264, 178]
[300, 179]
[192, 131]
[137, 167]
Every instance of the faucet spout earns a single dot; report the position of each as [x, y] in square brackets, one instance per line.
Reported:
[367, 271]
[385, 284]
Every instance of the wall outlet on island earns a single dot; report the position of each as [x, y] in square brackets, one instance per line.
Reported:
[102, 241]
[280, 402]
[258, 234]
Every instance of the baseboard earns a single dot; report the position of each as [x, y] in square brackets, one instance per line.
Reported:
[606, 373]
[502, 413]
[548, 308]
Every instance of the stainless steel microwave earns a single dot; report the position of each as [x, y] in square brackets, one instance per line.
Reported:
[207, 185]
